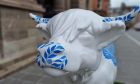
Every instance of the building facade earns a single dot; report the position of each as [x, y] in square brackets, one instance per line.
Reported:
[56, 6]
[18, 36]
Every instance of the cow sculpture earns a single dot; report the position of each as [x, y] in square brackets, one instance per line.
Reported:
[81, 43]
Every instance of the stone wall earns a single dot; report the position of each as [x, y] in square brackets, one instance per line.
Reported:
[18, 35]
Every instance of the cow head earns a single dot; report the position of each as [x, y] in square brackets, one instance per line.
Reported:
[73, 40]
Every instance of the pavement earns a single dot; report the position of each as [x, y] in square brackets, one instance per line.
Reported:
[33, 75]
[128, 56]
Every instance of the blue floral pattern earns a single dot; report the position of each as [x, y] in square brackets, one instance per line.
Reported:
[109, 53]
[126, 18]
[52, 56]
[39, 19]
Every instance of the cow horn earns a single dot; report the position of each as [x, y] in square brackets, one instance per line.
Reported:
[38, 19]
[125, 18]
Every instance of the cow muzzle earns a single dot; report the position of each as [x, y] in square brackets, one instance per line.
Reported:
[51, 55]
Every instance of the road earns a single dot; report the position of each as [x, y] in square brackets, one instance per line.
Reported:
[128, 57]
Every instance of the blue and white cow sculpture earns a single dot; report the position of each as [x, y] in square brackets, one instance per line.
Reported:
[81, 43]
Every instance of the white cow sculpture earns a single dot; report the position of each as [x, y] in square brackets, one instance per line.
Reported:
[81, 43]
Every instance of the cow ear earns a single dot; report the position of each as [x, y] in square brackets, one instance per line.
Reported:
[111, 31]
[119, 25]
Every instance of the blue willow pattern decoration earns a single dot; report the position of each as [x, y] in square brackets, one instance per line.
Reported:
[39, 19]
[125, 18]
[52, 56]
[109, 53]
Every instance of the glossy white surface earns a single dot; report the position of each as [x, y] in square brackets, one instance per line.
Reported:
[83, 34]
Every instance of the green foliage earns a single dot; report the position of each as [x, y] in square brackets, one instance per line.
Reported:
[117, 82]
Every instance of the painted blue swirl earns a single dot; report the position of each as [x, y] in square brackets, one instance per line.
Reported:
[51, 55]
[109, 53]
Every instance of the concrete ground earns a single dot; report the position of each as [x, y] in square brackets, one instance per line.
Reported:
[33, 75]
[128, 56]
